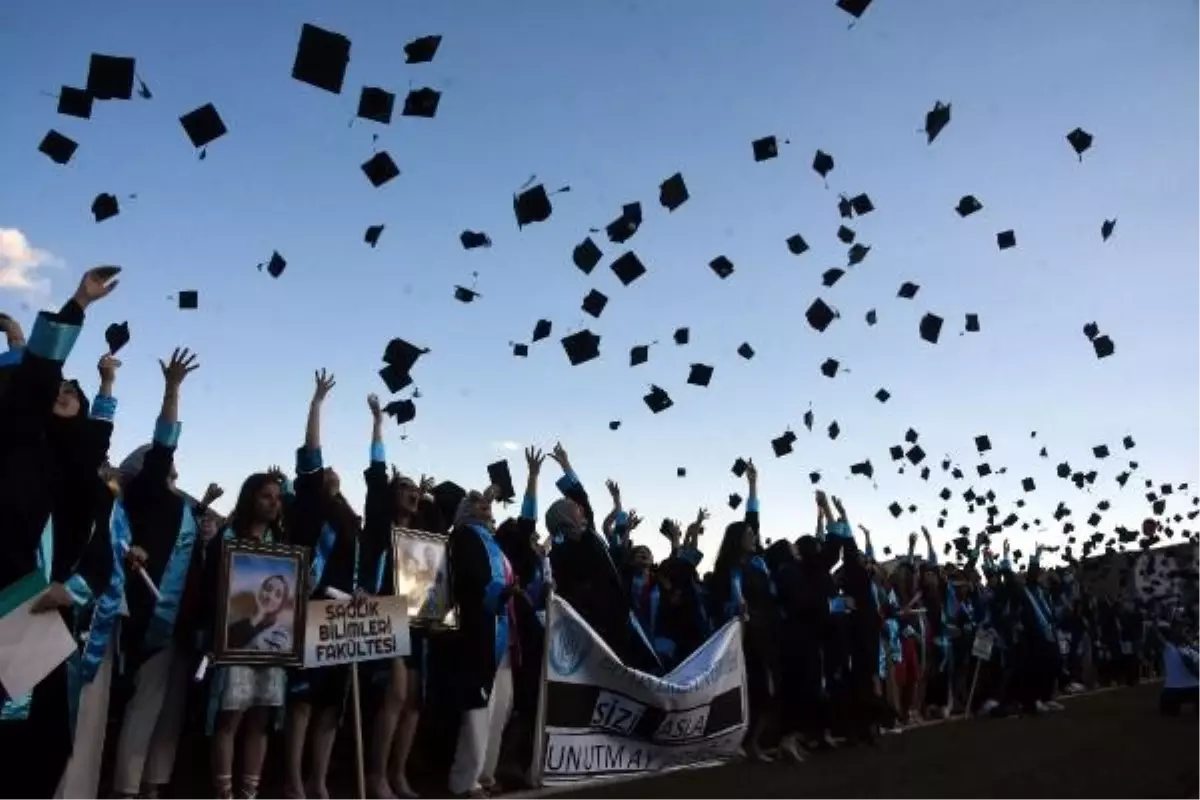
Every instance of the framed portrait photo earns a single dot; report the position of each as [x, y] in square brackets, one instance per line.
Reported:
[421, 572]
[263, 594]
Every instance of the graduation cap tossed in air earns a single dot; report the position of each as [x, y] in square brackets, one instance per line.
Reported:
[57, 147]
[75, 102]
[376, 104]
[657, 399]
[586, 256]
[401, 410]
[672, 193]
[473, 239]
[422, 103]
[203, 126]
[110, 77]
[968, 205]
[1080, 140]
[628, 268]
[116, 336]
[622, 229]
[822, 163]
[936, 120]
[372, 235]
[581, 347]
[380, 168]
[422, 49]
[321, 58]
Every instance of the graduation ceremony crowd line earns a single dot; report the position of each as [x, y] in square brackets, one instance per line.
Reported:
[838, 648]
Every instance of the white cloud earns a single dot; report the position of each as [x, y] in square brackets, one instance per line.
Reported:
[510, 446]
[21, 264]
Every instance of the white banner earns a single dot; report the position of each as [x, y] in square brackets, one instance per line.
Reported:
[602, 718]
[346, 631]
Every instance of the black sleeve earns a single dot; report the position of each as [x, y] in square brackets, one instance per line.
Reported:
[470, 568]
[27, 403]
[96, 562]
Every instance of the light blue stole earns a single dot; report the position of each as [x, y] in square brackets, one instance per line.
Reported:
[108, 604]
[321, 553]
[499, 580]
[170, 587]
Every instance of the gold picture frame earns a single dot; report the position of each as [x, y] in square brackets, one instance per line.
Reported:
[263, 595]
[421, 572]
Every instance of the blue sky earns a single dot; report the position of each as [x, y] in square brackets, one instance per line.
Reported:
[612, 98]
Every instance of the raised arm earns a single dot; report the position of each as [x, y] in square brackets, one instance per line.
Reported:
[533, 464]
[930, 552]
[868, 549]
[570, 485]
[752, 509]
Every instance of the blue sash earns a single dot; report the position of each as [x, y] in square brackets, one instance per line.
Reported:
[321, 554]
[171, 585]
[495, 586]
[1040, 613]
[108, 605]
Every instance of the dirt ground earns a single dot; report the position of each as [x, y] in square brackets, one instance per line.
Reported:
[1113, 744]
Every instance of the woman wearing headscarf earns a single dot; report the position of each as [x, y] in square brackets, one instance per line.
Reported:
[393, 502]
[484, 588]
[50, 451]
[320, 519]
[162, 529]
[242, 698]
[586, 575]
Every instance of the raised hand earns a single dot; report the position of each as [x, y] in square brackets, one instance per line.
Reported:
[751, 472]
[276, 473]
[55, 597]
[212, 494]
[634, 520]
[614, 490]
[12, 331]
[559, 456]
[534, 459]
[96, 284]
[325, 383]
[373, 404]
[182, 364]
[427, 483]
[670, 529]
[912, 538]
[925, 531]
[108, 367]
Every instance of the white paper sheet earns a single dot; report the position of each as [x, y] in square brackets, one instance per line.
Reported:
[31, 646]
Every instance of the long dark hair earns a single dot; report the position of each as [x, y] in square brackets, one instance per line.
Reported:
[731, 551]
[242, 518]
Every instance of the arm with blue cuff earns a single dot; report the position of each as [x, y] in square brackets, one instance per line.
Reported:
[27, 404]
[570, 485]
[753, 520]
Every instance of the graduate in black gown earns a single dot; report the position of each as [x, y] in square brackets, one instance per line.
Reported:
[50, 454]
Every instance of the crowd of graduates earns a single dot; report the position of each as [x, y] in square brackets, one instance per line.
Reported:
[839, 647]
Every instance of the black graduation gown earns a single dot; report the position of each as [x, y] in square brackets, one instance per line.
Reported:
[472, 573]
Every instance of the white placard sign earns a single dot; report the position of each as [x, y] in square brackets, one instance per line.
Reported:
[347, 631]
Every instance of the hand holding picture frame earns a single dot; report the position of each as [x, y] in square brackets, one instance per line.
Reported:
[262, 598]
[421, 572]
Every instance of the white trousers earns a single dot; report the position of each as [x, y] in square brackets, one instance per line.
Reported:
[479, 736]
[153, 720]
[81, 778]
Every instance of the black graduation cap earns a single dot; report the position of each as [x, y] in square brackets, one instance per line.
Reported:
[614, 424]
[854, 8]
[321, 58]
[189, 299]
[861, 204]
[110, 77]
[796, 244]
[735, 500]
[380, 169]
[915, 454]
[845, 209]
[657, 400]
[896, 452]
[945, 494]
[105, 206]
[672, 193]
[59, 148]
[372, 235]
[722, 266]
[883, 395]
[896, 509]
[521, 350]
[621, 229]
[396, 377]
[681, 472]
[628, 268]
[745, 351]
[681, 336]
[586, 256]
[472, 239]
[1006, 239]
[936, 119]
[465, 295]
[422, 50]
[815, 477]
[1091, 330]
[594, 303]
[822, 163]
[1103, 346]
[1128, 442]
[1043, 453]
[968, 205]
[74, 102]
[501, 478]
[908, 290]
[956, 473]
[872, 317]
[808, 419]
[376, 104]
[931, 328]
[739, 467]
[834, 430]
[581, 346]
[983, 443]
[984, 469]
[1080, 141]
[276, 265]
[639, 354]
[857, 253]
[972, 323]
[863, 468]
[401, 410]
[969, 495]
[845, 234]
[1028, 485]
[700, 375]
[782, 445]
[402, 354]
[204, 125]
[831, 277]
[541, 330]
[765, 148]
[1106, 229]
[829, 368]
[911, 436]
[819, 315]
[116, 336]
[1100, 451]
[1063, 470]
[1123, 478]
[422, 102]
